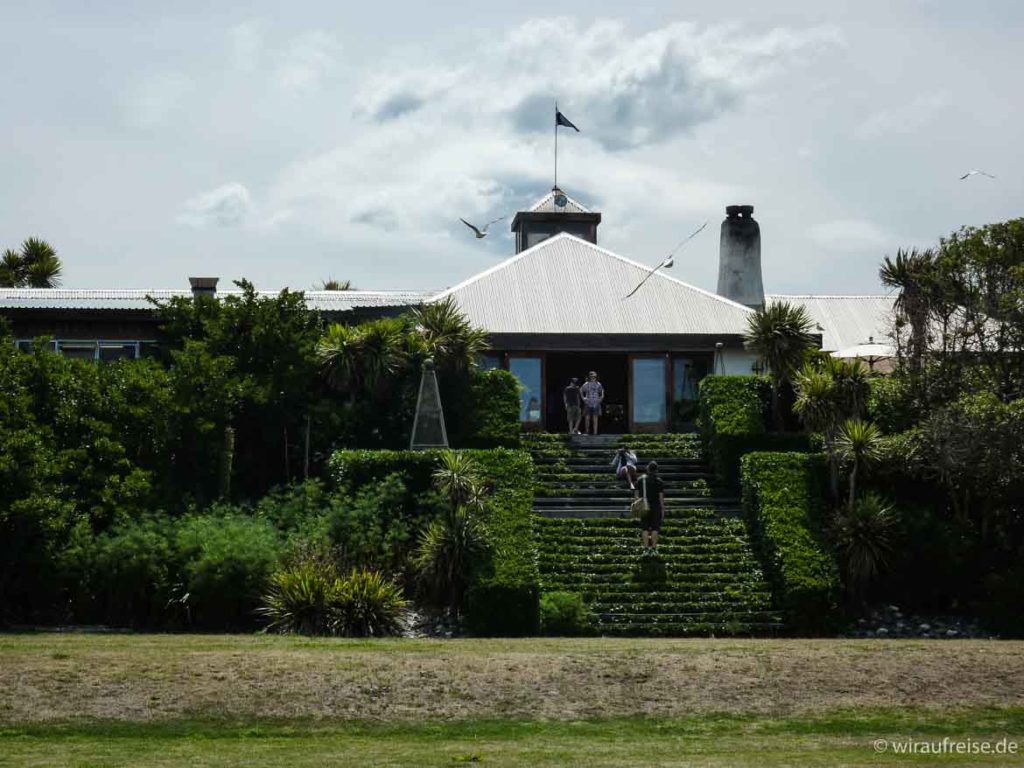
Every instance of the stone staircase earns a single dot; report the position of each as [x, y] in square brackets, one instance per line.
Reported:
[705, 579]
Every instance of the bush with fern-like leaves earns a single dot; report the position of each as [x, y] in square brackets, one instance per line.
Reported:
[311, 598]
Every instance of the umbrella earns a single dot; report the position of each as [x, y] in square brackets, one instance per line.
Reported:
[871, 352]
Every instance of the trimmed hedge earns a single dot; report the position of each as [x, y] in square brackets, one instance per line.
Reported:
[494, 405]
[505, 598]
[732, 423]
[782, 500]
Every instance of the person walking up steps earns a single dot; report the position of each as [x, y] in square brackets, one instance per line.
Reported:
[653, 489]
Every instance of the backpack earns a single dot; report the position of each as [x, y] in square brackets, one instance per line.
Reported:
[640, 506]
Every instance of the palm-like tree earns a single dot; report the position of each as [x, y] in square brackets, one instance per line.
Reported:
[448, 336]
[828, 393]
[781, 335]
[360, 358]
[860, 444]
[458, 478]
[909, 272]
[863, 538]
[36, 265]
[336, 285]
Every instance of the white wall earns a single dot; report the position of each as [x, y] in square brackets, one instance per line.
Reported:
[738, 362]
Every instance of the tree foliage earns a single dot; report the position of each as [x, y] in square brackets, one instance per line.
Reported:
[35, 265]
[780, 333]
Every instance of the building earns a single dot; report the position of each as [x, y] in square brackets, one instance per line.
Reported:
[554, 310]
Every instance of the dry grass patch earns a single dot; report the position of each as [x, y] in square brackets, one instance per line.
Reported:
[146, 678]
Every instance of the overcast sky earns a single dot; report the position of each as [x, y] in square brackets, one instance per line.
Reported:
[292, 142]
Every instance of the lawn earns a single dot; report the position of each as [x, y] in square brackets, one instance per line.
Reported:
[122, 699]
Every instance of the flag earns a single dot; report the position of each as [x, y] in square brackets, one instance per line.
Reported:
[561, 119]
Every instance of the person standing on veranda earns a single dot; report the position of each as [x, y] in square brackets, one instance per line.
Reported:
[572, 400]
[593, 395]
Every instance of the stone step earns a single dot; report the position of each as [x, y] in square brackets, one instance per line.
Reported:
[624, 499]
[590, 513]
[619, 493]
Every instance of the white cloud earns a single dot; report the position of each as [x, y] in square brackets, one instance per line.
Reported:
[623, 90]
[905, 118]
[850, 235]
[446, 143]
[152, 101]
[306, 62]
[226, 206]
[245, 43]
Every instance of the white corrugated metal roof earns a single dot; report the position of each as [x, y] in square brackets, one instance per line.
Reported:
[568, 285]
[132, 299]
[847, 320]
[547, 205]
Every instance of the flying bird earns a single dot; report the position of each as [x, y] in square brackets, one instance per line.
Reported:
[976, 172]
[669, 260]
[480, 233]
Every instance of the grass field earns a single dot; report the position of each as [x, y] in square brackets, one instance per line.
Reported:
[85, 699]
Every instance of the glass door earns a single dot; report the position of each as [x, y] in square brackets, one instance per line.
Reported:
[648, 393]
[530, 372]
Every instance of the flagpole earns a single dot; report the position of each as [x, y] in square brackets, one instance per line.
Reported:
[556, 145]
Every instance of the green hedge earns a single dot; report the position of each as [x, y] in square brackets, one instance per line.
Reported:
[732, 423]
[782, 500]
[494, 405]
[504, 600]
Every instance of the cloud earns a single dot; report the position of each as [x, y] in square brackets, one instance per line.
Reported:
[245, 43]
[306, 62]
[623, 90]
[229, 205]
[152, 101]
[904, 119]
[850, 235]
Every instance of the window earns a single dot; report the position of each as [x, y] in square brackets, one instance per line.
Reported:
[117, 351]
[78, 350]
[528, 371]
[489, 361]
[649, 390]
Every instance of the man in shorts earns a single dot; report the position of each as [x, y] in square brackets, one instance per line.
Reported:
[653, 488]
[572, 400]
[593, 395]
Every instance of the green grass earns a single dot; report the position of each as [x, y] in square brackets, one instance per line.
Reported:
[841, 738]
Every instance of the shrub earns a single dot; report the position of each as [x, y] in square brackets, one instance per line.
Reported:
[227, 563]
[564, 613]
[494, 408]
[510, 571]
[368, 605]
[782, 494]
[312, 599]
[448, 550]
[125, 577]
[377, 527]
[891, 404]
[300, 599]
[732, 423]
[863, 538]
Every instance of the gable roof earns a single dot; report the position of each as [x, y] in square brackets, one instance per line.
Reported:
[847, 320]
[547, 205]
[568, 285]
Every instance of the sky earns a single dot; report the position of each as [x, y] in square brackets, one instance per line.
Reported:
[292, 143]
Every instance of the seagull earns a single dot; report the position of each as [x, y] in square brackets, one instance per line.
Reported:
[480, 233]
[669, 261]
[976, 172]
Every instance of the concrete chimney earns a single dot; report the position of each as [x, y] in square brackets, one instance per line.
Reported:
[203, 286]
[739, 257]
